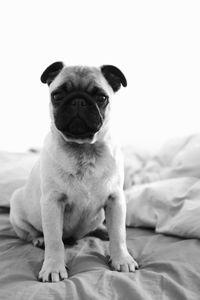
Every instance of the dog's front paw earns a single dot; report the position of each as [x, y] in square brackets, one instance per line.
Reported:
[53, 271]
[123, 263]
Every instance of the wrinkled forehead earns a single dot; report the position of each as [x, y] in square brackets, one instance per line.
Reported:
[80, 77]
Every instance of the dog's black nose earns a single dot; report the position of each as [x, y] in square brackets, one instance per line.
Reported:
[78, 102]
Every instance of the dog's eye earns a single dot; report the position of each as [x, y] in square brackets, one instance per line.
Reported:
[58, 96]
[102, 99]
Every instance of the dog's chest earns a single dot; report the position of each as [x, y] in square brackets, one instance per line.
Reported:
[88, 182]
[86, 188]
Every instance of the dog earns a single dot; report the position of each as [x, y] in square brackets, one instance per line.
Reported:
[78, 179]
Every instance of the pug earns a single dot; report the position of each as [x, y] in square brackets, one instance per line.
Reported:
[78, 179]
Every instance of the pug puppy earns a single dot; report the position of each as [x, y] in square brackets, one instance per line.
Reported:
[78, 179]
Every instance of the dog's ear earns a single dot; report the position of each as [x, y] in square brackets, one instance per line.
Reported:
[114, 76]
[51, 72]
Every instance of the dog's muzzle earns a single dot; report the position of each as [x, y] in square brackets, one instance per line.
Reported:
[78, 116]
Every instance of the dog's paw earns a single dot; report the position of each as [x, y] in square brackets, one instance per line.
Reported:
[38, 242]
[53, 271]
[123, 263]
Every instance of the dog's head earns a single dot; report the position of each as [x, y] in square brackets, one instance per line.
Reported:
[80, 99]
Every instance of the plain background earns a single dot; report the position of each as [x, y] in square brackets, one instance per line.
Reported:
[155, 43]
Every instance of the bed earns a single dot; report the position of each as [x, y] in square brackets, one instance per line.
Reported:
[163, 231]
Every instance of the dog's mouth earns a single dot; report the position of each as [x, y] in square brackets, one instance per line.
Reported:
[78, 129]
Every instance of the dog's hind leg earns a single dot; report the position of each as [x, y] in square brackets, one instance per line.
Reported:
[21, 233]
[23, 229]
[32, 235]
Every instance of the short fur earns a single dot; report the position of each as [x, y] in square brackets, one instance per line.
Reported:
[76, 182]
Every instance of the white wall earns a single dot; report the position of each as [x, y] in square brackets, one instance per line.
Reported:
[155, 43]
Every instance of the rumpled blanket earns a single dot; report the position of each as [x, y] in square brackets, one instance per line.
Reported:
[163, 191]
[14, 171]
